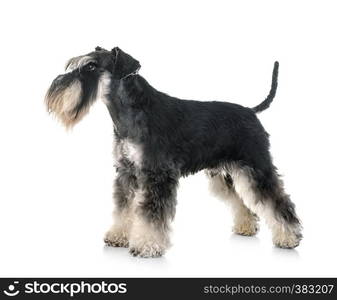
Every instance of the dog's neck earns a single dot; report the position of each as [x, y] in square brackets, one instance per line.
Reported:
[125, 103]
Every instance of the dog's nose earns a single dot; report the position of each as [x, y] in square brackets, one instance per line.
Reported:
[58, 78]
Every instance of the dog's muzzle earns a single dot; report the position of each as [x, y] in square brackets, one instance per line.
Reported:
[64, 97]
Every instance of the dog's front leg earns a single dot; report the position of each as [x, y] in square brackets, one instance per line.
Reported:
[154, 208]
[124, 191]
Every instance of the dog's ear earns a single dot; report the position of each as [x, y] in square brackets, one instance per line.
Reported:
[124, 64]
[98, 48]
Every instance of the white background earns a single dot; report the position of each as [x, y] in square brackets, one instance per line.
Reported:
[56, 186]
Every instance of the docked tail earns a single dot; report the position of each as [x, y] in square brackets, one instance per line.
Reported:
[265, 104]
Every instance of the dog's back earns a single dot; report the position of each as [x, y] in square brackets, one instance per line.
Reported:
[201, 134]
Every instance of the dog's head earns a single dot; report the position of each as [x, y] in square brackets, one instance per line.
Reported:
[87, 78]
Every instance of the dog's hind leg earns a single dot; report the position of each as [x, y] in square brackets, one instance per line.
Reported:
[154, 209]
[262, 192]
[221, 185]
[124, 190]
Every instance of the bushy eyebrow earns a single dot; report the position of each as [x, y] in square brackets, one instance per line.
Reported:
[78, 62]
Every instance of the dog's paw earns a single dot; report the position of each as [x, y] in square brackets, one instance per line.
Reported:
[246, 228]
[147, 250]
[287, 240]
[286, 243]
[116, 238]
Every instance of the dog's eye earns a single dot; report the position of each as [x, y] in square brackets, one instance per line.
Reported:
[91, 66]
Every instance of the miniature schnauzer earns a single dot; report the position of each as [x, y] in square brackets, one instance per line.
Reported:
[159, 138]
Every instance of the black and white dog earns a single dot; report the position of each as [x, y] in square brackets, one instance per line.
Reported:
[159, 138]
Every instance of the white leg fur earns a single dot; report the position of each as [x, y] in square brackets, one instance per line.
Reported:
[146, 239]
[284, 235]
[118, 235]
[245, 223]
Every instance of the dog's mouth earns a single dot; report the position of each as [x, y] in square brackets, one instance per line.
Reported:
[63, 99]
[71, 95]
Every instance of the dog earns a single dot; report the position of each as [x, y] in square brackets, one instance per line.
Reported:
[159, 138]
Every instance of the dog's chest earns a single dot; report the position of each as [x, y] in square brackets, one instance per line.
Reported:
[129, 150]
